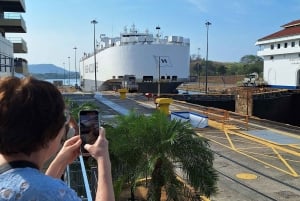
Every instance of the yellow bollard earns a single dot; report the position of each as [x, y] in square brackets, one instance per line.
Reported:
[164, 104]
[122, 93]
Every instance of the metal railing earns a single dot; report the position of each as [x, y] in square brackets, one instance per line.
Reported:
[81, 179]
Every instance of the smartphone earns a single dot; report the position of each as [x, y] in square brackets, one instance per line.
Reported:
[88, 128]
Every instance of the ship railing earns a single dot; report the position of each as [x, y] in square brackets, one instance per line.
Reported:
[81, 179]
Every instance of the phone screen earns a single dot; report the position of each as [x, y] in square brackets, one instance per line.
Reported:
[89, 128]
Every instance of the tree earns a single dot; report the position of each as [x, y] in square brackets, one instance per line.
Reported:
[251, 59]
[252, 64]
[157, 146]
[221, 70]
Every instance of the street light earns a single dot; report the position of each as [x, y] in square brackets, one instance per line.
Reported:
[69, 70]
[64, 73]
[94, 22]
[198, 68]
[75, 48]
[207, 25]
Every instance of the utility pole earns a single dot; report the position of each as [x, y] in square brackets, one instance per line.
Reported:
[94, 22]
[75, 48]
[207, 26]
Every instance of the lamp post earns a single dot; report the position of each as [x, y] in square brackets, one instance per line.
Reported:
[198, 68]
[69, 71]
[75, 48]
[94, 22]
[64, 73]
[207, 26]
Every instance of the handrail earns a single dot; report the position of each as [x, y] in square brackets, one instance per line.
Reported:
[85, 179]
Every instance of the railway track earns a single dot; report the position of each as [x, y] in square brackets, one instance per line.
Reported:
[286, 190]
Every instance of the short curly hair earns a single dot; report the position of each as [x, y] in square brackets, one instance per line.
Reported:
[31, 114]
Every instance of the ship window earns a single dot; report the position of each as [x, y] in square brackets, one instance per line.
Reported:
[293, 44]
[285, 45]
[168, 77]
[174, 78]
[278, 46]
[271, 57]
[91, 68]
[114, 77]
[162, 77]
[272, 46]
[120, 77]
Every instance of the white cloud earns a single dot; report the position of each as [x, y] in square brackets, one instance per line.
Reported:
[201, 5]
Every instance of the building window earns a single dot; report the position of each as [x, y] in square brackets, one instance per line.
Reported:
[285, 45]
[293, 44]
[272, 46]
[278, 46]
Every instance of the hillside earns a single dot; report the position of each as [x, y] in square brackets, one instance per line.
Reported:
[45, 68]
[50, 71]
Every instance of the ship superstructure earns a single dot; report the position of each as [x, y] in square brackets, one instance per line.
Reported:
[281, 54]
[12, 22]
[141, 56]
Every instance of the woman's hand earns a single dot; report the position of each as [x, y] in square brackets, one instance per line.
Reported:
[70, 149]
[99, 149]
[68, 153]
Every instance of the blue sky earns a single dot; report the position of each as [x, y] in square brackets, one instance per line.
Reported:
[55, 27]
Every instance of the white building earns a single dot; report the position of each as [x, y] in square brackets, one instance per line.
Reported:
[281, 54]
[12, 22]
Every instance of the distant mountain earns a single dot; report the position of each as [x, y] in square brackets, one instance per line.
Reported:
[45, 68]
[50, 71]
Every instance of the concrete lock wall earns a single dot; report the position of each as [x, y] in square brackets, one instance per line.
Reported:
[244, 101]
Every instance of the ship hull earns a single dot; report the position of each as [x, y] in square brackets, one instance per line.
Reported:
[165, 87]
[136, 55]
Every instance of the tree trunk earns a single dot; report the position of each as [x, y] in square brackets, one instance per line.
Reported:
[157, 182]
[132, 198]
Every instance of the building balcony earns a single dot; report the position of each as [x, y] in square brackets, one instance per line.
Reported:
[13, 23]
[19, 45]
[269, 52]
[21, 66]
[13, 6]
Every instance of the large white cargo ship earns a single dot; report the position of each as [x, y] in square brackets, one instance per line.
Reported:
[137, 61]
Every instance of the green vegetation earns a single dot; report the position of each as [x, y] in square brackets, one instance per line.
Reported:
[155, 146]
[248, 64]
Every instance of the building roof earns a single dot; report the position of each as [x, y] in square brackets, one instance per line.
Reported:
[290, 29]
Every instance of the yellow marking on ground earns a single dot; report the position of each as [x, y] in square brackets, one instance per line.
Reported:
[285, 163]
[229, 140]
[296, 146]
[246, 176]
[204, 198]
[256, 159]
[266, 142]
[231, 129]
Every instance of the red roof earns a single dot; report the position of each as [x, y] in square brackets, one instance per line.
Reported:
[290, 29]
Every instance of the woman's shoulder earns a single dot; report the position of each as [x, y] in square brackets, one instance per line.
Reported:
[31, 184]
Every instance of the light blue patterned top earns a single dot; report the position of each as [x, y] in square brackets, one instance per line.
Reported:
[29, 184]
